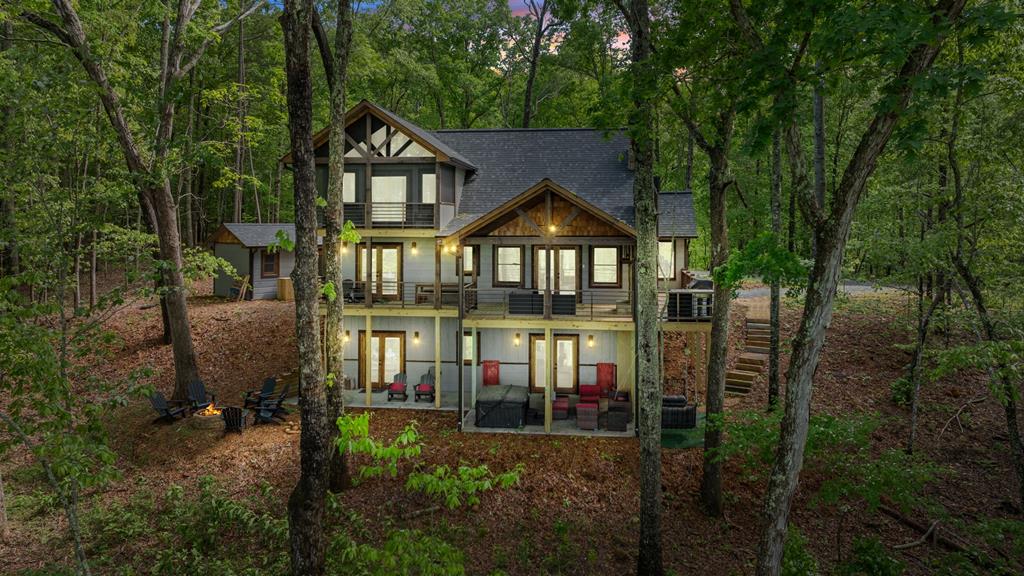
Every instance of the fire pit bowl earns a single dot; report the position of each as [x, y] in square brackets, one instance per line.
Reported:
[208, 418]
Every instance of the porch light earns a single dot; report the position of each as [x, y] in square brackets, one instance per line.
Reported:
[515, 340]
[416, 337]
[552, 228]
[344, 247]
[590, 341]
[348, 335]
[415, 250]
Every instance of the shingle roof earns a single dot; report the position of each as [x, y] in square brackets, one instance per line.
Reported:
[260, 235]
[675, 215]
[509, 161]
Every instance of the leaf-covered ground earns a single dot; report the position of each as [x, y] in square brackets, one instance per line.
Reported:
[575, 510]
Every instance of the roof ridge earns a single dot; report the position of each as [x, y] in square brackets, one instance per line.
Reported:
[575, 129]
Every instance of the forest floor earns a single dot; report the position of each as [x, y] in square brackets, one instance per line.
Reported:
[575, 509]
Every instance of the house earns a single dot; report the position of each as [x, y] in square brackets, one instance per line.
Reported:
[501, 261]
[255, 252]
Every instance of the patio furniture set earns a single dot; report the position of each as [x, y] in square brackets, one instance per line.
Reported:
[399, 387]
[266, 406]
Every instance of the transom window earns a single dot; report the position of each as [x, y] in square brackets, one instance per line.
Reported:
[508, 265]
[604, 266]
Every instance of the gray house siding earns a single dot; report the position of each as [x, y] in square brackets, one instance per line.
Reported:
[238, 256]
[266, 288]
[418, 357]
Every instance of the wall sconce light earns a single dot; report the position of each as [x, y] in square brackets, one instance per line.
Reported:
[348, 335]
[590, 341]
[416, 337]
[415, 250]
[515, 340]
[344, 247]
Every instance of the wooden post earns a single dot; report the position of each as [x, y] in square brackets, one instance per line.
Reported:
[368, 356]
[458, 349]
[437, 361]
[472, 366]
[369, 271]
[438, 246]
[548, 380]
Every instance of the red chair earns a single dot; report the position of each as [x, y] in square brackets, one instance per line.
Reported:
[606, 378]
[492, 372]
[397, 388]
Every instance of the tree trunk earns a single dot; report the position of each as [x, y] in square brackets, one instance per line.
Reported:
[334, 222]
[773, 307]
[4, 529]
[92, 270]
[819, 145]
[78, 273]
[539, 12]
[307, 503]
[649, 560]
[240, 144]
[718, 182]
[924, 318]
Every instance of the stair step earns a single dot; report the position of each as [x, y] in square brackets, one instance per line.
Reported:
[736, 391]
[759, 324]
[757, 368]
[741, 375]
[754, 357]
[763, 339]
[759, 333]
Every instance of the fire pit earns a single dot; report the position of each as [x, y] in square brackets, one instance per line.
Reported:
[208, 418]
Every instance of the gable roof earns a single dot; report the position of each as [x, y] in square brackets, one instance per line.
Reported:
[592, 166]
[419, 135]
[254, 235]
[675, 215]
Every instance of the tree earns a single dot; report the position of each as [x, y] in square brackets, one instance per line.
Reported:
[544, 23]
[307, 503]
[773, 306]
[155, 195]
[830, 229]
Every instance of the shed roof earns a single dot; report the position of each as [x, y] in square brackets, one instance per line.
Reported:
[254, 235]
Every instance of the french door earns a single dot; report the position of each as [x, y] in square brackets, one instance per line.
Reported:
[387, 357]
[566, 363]
[384, 272]
[564, 262]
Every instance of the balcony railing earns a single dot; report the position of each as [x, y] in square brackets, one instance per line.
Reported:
[390, 214]
[518, 303]
[399, 294]
[686, 305]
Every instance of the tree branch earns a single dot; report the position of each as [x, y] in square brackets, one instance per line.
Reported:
[218, 32]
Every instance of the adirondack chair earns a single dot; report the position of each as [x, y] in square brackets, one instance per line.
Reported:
[234, 419]
[165, 411]
[425, 389]
[253, 398]
[351, 293]
[398, 388]
[272, 410]
[198, 398]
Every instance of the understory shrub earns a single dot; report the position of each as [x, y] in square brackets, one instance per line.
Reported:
[870, 557]
[797, 560]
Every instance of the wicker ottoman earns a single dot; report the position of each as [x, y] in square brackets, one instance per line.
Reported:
[586, 416]
[617, 420]
[560, 408]
[621, 406]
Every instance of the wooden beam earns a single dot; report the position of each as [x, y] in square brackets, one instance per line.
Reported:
[555, 324]
[569, 217]
[557, 241]
[529, 221]
[358, 147]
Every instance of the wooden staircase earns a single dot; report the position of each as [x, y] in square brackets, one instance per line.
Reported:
[753, 361]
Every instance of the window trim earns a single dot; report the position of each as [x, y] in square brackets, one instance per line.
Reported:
[618, 268]
[277, 264]
[468, 361]
[671, 276]
[522, 265]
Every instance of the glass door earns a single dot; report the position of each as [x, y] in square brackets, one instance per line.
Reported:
[387, 357]
[384, 271]
[565, 263]
[567, 363]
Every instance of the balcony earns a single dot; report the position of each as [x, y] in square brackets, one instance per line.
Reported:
[686, 305]
[390, 214]
[393, 294]
[523, 303]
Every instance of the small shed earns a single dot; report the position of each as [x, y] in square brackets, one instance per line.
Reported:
[245, 246]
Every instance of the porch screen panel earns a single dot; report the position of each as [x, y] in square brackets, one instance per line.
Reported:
[539, 374]
[567, 271]
[375, 360]
[348, 191]
[429, 188]
[389, 271]
[565, 370]
[666, 260]
[389, 198]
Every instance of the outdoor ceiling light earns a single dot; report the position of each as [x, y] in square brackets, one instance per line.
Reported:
[552, 228]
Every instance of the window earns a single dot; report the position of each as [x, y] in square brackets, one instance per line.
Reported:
[270, 264]
[508, 265]
[604, 266]
[428, 190]
[388, 198]
[468, 265]
[348, 190]
[666, 261]
[467, 348]
[385, 269]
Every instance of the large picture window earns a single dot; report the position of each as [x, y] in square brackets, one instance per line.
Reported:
[389, 198]
[666, 260]
[508, 265]
[428, 184]
[604, 267]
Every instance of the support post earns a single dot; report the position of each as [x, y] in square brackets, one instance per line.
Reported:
[368, 355]
[370, 272]
[437, 361]
[472, 366]
[548, 380]
[437, 274]
[458, 348]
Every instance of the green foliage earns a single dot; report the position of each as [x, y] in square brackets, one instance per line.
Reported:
[200, 264]
[1003, 359]
[797, 560]
[281, 242]
[870, 558]
[354, 438]
[463, 485]
[764, 257]
[901, 391]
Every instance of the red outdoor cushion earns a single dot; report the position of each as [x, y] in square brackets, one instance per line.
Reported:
[396, 387]
[606, 376]
[424, 387]
[492, 372]
[589, 393]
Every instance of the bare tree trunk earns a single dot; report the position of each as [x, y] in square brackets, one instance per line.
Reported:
[718, 182]
[539, 10]
[773, 307]
[240, 144]
[648, 385]
[307, 503]
[924, 318]
[78, 273]
[5, 531]
[337, 72]
[92, 270]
